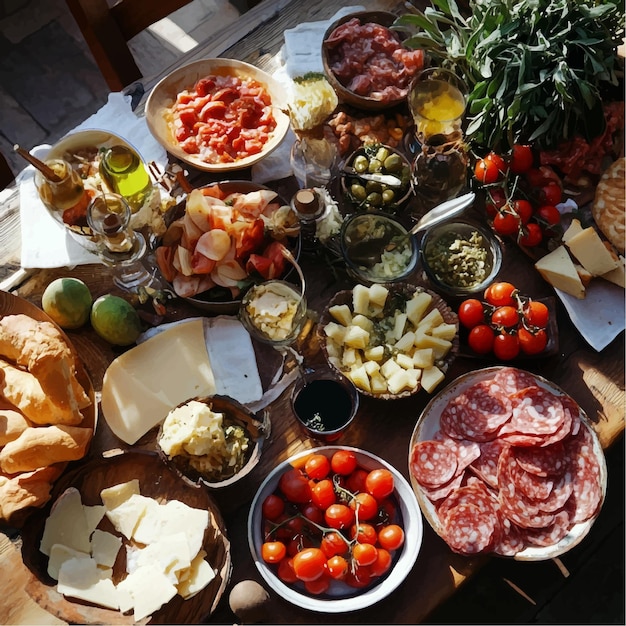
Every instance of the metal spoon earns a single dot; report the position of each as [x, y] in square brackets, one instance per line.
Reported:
[368, 252]
[383, 179]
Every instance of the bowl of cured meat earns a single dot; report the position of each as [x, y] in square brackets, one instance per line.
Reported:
[365, 61]
[227, 237]
[504, 462]
[218, 115]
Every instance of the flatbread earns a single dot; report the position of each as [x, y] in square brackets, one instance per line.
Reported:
[609, 205]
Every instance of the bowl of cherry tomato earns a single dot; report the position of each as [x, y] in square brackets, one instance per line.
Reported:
[334, 529]
[506, 324]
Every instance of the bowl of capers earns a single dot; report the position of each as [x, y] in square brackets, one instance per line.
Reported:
[376, 177]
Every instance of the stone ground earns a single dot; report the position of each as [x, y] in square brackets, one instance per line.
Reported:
[49, 83]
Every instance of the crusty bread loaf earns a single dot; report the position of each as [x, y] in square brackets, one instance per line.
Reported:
[42, 446]
[42, 349]
[24, 391]
[609, 204]
[25, 490]
[12, 422]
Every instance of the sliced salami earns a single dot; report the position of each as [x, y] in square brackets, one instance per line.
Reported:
[542, 461]
[468, 529]
[530, 485]
[466, 452]
[513, 380]
[511, 539]
[552, 534]
[486, 465]
[434, 494]
[536, 412]
[433, 462]
[560, 494]
[587, 485]
[474, 493]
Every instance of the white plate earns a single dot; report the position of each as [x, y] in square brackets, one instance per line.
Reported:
[428, 424]
[340, 598]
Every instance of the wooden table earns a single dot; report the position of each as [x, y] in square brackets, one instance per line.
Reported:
[594, 380]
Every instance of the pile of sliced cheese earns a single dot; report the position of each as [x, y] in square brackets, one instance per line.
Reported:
[582, 256]
[163, 543]
[415, 339]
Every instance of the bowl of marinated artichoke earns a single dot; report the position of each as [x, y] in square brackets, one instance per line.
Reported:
[212, 441]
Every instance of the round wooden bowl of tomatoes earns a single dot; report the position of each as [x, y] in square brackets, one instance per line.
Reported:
[334, 529]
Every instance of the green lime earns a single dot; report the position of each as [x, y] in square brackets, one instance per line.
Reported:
[115, 320]
[67, 301]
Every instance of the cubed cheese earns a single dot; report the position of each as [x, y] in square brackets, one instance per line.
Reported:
[444, 331]
[358, 375]
[430, 320]
[375, 353]
[341, 313]
[335, 331]
[423, 358]
[431, 377]
[404, 361]
[364, 322]
[405, 343]
[417, 305]
[360, 299]
[389, 368]
[356, 337]
[378, 295]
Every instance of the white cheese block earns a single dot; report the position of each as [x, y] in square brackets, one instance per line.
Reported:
[113, 496]
[105, 547]
[126, 517]
[142, 385]
[593, 255]
[617, 276]
[197, 577]
[558, 269]
[149, 589]
[67, 524]
[573, 229]
[93, 516]
[169, 553]
[58, 555]
[80, 578]
[431, 377]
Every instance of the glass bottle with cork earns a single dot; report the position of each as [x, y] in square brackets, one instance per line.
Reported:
[310, 209]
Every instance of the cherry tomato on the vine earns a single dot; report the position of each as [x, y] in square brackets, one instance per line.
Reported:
[343, 462]
[496, 199]
[323, 494]
[309, 564]
[337, 567]
[506, 316]
[382, 562]
[391, 537]
[489, 169]
[521, 159]
[380, 483]
[471, 313]
[318, 586]
[364, 553]
[317, 466]
[339, 516]
[480, 339]
[364, 505]
[532, 343]
[285, 571]
[505, 223]
[333, 543]
[531, 235]
[356, 481]
[551, 193]
[537, 313]
[500, 294]
[295, 486]
[506, 346]
[273, 507]
[364, 533]
[273, 551]
[524, 210]
[549, 214]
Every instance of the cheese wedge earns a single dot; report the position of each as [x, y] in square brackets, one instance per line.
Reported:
[67, 524]
[82, 579]
[573, 229]
[617, 276]
[592, 254]
[558, 269]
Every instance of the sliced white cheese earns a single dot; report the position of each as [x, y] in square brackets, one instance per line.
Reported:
[197, 577]
[573, 229]
[105, 547]
[113, 496]
[169, 553]
[67, 524]
[93, 516]
[149, 589]
[558, 269]
[142, 385]
[617, 276]
[593, 255]
[82, 579]
[126, 517]
[58, 555]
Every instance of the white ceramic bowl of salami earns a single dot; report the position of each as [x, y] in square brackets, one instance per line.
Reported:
[527, 486]
[340, 597]
[161, 122]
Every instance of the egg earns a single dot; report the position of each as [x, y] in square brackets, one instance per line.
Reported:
[248, 601]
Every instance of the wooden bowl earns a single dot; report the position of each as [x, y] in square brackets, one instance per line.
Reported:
[345, 95]
[163, 96]
[255, 426]
[158, 482]
[399, 293]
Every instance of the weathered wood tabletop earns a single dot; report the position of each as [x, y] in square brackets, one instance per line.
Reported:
[594, 380]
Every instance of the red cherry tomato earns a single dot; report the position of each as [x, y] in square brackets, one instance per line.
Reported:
[505, 223]
[273, 507]
[380, 483]
[273, 551]
[471, 313]
[536, 177]
[391, 537]
[551, 193]
[333, 543]
[505, 346]
[337, 567]
[549, 214]
[500, 294]
[496, 199]
[285, 571]
[359, 577]
[295, 486]
[309, 564]
[343, 462]
[382, 563]
[339, 516]
[364, 554]
[524, 210]
[323, 494]
[317, 586]
[490, 169]
[521, 159]
[531, 235]
[364, 505]
[364, 533]
[356, 481]
[480, 339]
[317, 466]
[532, 343]
[505, 316]
[312, 513]
[537, 314]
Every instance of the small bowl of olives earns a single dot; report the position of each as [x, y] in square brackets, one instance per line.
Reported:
[376, 177]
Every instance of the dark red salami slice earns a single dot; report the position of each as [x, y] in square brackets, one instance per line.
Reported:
[433, 462]
[530, 485]
[434, 494]
[560, 494]
[486, 465]
[466, 452]
[552, 534]
[513, 380]
[468, 529]
[450, 419]
[536, 412]
[587, 487]
[542, 461]
[511, 540]
[474, 493]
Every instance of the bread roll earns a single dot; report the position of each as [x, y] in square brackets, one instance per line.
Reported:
[41, 348]
[609, 205]
[24, 391]
[42, 446]
[12, 422]
[25, 490]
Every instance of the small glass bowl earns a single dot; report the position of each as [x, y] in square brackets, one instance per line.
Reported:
[274, 312]
[453, 280]
[395, 265]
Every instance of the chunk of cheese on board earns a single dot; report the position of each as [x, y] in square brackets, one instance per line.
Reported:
[592, 254]
[558, 269]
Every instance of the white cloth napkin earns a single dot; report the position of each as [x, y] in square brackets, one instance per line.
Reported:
[301, 53]
[46, 243]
